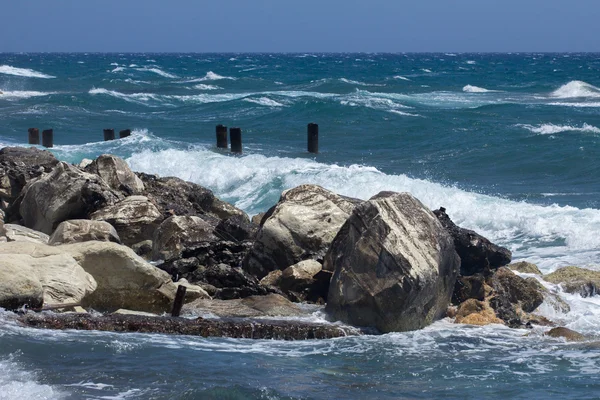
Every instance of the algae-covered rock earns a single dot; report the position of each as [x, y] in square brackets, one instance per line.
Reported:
[583, 281]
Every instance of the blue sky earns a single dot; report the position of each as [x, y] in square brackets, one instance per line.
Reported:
[299, 25]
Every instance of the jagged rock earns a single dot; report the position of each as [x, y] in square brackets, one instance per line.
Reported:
[62, 279]
[301, 226]
[19, 165]
[305, 281]
[18, 233]
[257, 219]
[65, 193]
[178, 197]
[251, 329]
[116, 173]
[568, 334]
[135, 218]
[19, 286]
[469, 287]
[83, 230]
[84, 163]
[271, 305]
[584, 282]
[476, 312]
[513, 295]
[236, 228]
[394, 265]
[272, 278]
[525, 267]
[477, 254]
[176, 233]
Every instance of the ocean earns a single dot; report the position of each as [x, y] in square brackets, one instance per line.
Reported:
[509, 144]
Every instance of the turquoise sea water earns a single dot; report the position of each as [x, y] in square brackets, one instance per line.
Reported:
[508, 143]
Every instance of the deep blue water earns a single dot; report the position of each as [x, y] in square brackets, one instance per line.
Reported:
[508, 143]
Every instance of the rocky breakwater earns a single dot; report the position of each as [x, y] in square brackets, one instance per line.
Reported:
[106, 238]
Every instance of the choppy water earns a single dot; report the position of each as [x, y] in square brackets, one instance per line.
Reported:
[508, 143]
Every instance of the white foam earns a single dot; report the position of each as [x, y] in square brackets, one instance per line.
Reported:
[401, 78]
[582, 105]
[21, 94]
[471, 62]
[551, 129]
[158, 71]
[358, 83]
[202, 86]
[475, 89]
[16, 383]
[211, 76]
[142, 98]
[29, 73]
[118, 69]
[576, 89]
[426, 70]
[264, 101]
[550, 236]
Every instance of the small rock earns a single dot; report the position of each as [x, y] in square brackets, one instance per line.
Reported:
[83, 230]
[568, 334]
[475, 312]
[525, 267]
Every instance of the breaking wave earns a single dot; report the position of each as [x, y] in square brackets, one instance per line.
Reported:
[25, 72]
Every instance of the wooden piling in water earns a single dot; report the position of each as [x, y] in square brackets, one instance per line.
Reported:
[221, 137]
[313, 138]
[178, 303]
[34, 135]
[235, 135]
[48, 138]
[109, 134]
[124, 133]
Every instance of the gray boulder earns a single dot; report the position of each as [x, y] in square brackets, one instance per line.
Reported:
[301, 226]
[65, 193]
[135, 219]
[19, 286]
[394, 265]
[176, 233]
[116, 173]
[19, 233]
[83, 230]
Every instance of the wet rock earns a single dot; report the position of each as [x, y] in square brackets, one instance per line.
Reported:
[525, 267]
[513, 295]
[301, 226]
[476, 312]
[18, 233]
[584, 282]
[176, 233]
[83, 230]
[135, 219]
[272, 305]
[568, 334]
[469, 287]
[63, 194]
[178, 197]
[394, 265]
[477, 254]
[116, 173]
[269, 329]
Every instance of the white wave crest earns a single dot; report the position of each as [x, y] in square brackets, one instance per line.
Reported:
[118, 69]
[593, 104]
[131, 97]
[551, 129]
[264, 101]
[358, 83]
[211, 76]
[202, 86]
[476, 89]
[547, 235]
[21, 94]
[403, 78]
[29, 73]
[18, 383]
[158, 71]
[576, 89]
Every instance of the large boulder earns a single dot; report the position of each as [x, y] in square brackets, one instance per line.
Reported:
[19, 233]
[116, 173]
[135, 219]
[124, 279]
[585, 282]
[65, 193]
[19, 165]
[19, 286]
[83, 230]
[178, 232]
[477, 254]
[62, 279]
[175, 196]
[394, 265]
[301, 226]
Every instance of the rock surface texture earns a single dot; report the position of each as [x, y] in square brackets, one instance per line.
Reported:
[583, 281]
[115, 172]
[394, 265]
[83, 230]
[301, 226]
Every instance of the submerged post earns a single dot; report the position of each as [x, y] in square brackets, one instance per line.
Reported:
[313, 138]
[124, 133]
[34, 135]
[221, 137]
[48, 138]
[178, 303]
[235, 135]
[109, 134]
